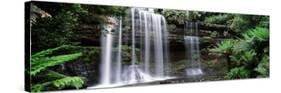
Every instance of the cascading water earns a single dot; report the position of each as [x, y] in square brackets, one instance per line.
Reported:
[191, 41]
[149, 35]
[111, 61]
[106, 42]
[149, 31]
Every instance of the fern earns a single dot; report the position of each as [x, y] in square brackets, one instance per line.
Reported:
[47, 52]
[263, 67]
[258, 34]
[49, 80]
[37, 88]
[248, 56]
[239, 23]
[244, 54]
[238, 72]
[75, 82]
[41, 64]
[67, 81]
[218, 19]
[224, 47]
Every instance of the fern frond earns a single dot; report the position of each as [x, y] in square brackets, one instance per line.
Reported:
[47, 52]
[263, 67]
[67, 81]
[238, 72]
[218, 19]
[41, 64]
[259, 34]
[75, 82]
[224, 47]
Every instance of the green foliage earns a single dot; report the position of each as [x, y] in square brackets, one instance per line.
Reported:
[175, 16]
[239, 72]
[57, 30]
[239, 24]
[242, 23]
[224, 47]
[259, 34]
[241, 46]
[107, 10]
[263, 67]
[43, 63]
[76, 82]
[44, 78]
[236, 22]
[37, 88]
[246, 58]
[195, 15]
[218, 19]
[90, 54]
[67, 81]
[242, 58]
[50, 51]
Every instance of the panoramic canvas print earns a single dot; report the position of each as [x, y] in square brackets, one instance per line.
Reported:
[71, 46]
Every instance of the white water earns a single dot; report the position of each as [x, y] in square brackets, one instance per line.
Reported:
[106, 41]
[191, 40]
[150, 28]
[111, 59]
[119, 54]
[149, 35]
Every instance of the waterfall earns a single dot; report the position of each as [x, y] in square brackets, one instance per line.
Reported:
[111, 59]
[191, 41]
[119, 54]
[106, 42]
[149, 35]
[150, 32]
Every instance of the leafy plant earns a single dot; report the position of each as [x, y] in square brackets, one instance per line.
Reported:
[42, 63]
[76, 82]
[218, 19]
[259, 34]
[59, 29]
[44, 78]
[239, 72]
[224, 47]
[246, 59]
[263, 67]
